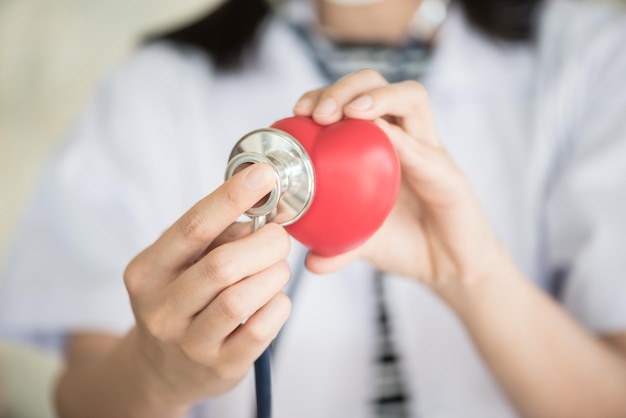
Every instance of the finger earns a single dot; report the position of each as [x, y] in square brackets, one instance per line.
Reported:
[319, 264]
[190, 235]
[407, 102]
[249, 341]
[329, 108]
[225, 265]
[429, 171]
[232, 306]
[307, 102]
[325, 105]
[234, 232]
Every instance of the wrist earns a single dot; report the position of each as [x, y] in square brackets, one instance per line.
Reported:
[489, 289]
[150, 397]
[110, 383]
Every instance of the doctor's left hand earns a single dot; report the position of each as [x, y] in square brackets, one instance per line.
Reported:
[437, 231]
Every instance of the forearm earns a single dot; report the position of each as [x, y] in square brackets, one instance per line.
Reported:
[548, 365]
[114, 385]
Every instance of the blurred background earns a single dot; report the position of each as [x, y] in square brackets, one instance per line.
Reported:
[52, 52]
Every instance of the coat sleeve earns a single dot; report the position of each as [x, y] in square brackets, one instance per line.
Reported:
[586, 202]
[103, 197]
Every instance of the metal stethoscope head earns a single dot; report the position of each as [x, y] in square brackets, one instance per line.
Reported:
[293, 192]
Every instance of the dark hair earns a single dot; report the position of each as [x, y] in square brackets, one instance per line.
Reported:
[229, 31]
[510, 20]
[226, 33]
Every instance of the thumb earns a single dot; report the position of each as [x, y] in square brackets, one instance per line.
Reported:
[320, 264]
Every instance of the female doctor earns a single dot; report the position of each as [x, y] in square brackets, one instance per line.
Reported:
[503, 272]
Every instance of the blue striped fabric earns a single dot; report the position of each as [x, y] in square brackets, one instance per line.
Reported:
[391, 400]
[396, 63]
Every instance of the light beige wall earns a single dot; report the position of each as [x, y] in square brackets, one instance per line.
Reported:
[51, 54]
[27, 376]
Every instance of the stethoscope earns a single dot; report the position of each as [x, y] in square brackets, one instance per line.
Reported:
[288, 200]
[320, 172]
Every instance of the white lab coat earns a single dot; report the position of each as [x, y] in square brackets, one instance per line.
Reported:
[540, 131]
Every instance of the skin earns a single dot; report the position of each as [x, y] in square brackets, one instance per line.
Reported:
[190, 292]
[560, 369]
[194, 286]
[384, 22]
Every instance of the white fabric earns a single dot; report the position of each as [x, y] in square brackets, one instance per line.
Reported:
[538, 129]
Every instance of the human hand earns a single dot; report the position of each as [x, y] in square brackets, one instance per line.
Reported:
[437, 231]
[192, 289]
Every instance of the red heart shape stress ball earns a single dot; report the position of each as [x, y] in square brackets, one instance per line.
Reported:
[357, 179]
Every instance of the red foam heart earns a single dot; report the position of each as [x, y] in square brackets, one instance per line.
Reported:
[357, 178]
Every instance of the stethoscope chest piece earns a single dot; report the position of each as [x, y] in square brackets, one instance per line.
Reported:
[293, 192]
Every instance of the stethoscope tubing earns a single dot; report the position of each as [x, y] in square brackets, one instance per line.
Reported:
[263, 385]
[262, 366]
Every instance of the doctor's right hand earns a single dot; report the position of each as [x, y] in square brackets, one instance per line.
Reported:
[194, 287]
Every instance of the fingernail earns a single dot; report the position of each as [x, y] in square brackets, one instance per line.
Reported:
[326, 107]
[362, 103]
[261, 176]
[305, 105]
